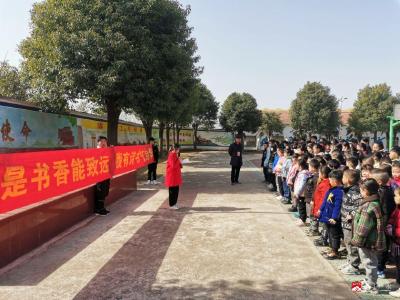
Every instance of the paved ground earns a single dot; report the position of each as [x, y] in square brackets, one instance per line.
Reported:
[225, 243]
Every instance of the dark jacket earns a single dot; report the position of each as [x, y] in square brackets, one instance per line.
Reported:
[311, 185]
[155, 153]
[386, 197]
[351, 200]
[330, 208]
[236, 161]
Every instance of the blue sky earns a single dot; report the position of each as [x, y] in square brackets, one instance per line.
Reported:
[270, 48]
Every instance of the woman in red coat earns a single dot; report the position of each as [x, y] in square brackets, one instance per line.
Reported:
[173, 177]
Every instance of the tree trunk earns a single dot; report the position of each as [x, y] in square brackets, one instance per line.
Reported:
[148, 128]
[375, 136]
[161, 127]
[173, 133]
[178, 132]
[113, 113]
[195, 128]
[167, 133]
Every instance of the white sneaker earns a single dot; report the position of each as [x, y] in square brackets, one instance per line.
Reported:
[155, 182]
[279, 197]
[371, 289]
[148, 182]
[152, 182]
[300, 223]
[395, 294]
[175, 207]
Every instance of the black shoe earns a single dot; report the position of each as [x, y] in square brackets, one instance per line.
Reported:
[292, 209]
[237, 182]
[101, 212]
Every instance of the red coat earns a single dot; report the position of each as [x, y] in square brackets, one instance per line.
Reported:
[395, 222]
[173, 175]
[319, 195]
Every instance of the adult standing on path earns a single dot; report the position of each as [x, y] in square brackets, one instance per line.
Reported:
[152, 168]
[236, 151]
[102, 188]
[173, 178]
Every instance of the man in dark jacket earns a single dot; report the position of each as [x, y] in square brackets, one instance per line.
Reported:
[102, 188]
[236, 151]
[152, 168]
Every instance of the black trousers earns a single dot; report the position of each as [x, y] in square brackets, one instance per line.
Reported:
[302, 209]
[266, 174]
[397, 259]
[152, 171]
[273, 181]
[235, 174]
[335, 234]
[383, 256]
[173, 195]
[101, 192]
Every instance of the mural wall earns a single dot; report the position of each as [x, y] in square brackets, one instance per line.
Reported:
[214, 138]
[22, 128]
[28, 129]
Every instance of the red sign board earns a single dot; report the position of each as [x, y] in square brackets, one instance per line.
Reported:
[27, 178]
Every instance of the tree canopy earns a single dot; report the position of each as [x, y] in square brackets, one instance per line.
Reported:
[239, 113]
[271, 122]
[11, 83]
[373, 105]
[121, 55]
[315, 110]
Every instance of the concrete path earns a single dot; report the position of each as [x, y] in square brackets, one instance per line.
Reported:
[225, 243]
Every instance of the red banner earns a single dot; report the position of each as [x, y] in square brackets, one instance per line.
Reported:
[27, 178]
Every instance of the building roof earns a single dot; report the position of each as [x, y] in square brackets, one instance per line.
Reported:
[285, 117]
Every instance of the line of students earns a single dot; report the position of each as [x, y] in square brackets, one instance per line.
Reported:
[345, 195]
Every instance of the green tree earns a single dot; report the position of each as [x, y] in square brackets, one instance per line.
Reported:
[239, 113]
[205, 110]
[173, 69]
[11, 83]
[315, 110]
[373, 105]
[271, 122]
[96, 50]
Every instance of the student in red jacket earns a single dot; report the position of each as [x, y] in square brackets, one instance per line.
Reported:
[319, 195]
[393, 230]
[173, 177]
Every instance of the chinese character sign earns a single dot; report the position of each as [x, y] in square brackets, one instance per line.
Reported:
[128, 157]
[27, 178]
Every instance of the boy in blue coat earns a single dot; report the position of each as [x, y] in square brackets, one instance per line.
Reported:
[329, 213]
